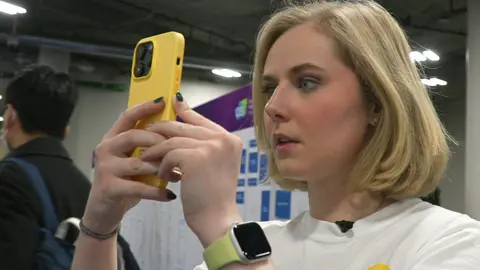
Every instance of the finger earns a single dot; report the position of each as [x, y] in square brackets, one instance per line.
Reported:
[127, 141]
[160, 150]
[177, 129]
[142, 191]
[191, 117]
[124, 167]
[173, 159]
[129, 118]
[175, 175]
[172, 176]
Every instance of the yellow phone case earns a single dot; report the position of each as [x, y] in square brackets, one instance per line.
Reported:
[159, 77]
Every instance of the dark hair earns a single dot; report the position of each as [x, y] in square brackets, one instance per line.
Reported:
[43, 99]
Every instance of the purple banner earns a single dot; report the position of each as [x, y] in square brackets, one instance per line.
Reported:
[233, 111]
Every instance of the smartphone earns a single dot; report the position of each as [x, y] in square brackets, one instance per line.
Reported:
[156, 72]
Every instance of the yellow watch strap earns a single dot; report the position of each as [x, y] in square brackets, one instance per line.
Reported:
[220, 253]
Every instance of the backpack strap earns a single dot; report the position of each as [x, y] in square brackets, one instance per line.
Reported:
[50, 219]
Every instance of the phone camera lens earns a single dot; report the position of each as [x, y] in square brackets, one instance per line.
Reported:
[149, 47]
[139, 70]
[141, 52]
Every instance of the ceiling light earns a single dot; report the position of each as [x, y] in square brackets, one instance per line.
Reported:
[434, 82]
[11, 9]
[227, 73]
[417, 56]
[437, 81]
[431, 55]
[1, 119]
[1, 97]
[427, 82]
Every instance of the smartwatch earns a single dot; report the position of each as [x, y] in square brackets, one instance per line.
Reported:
[243, 243]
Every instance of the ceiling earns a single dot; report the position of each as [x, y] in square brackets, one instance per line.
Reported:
[218, 32]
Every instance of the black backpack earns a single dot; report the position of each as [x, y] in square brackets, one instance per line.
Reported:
[53, 253]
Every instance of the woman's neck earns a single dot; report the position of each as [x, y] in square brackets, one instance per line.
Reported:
[335, 203]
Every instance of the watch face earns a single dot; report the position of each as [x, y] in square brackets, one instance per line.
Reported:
[252, 240]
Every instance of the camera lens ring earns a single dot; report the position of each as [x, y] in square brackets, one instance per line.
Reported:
[139, 70]
[149, 47]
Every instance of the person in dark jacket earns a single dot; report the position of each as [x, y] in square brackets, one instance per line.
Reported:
[433, 198]
[38, 105]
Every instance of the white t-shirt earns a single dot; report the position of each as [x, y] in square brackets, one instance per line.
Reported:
[407, 235]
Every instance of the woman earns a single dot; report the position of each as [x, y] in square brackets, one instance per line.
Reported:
[342, 114]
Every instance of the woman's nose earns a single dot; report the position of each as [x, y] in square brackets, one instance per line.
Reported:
[277, 107]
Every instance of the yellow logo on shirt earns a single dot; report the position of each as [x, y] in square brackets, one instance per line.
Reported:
[379, 267]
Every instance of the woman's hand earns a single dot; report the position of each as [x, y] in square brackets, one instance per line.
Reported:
[209, 158]
[113, 193]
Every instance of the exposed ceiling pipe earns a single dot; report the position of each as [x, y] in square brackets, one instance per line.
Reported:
[454, 10]
[163, 17]
[408, 23]
[109, 51]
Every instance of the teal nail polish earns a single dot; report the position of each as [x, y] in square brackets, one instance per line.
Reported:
[179, 96]
[158, 100]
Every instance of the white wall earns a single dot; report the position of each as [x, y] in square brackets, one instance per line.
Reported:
[98, 110]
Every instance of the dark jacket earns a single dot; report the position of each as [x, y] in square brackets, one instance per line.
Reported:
[20, 207]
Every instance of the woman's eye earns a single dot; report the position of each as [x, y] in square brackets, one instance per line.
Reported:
[307, 84]
[269, 89]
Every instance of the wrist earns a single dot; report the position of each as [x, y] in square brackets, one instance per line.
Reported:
[243, 244]
[98, 226]
[99, 236]
[216, 229]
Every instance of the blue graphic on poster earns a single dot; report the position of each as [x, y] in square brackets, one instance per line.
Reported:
[253, 143]
[240, 197]
[282, 205]
[262, 174]
[265, 204]
[244, 161]
[253, 162]
[252, 182]
[241, 182]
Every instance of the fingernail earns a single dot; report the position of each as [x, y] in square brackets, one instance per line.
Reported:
[158, 100]
[171, 196]
[179, 96]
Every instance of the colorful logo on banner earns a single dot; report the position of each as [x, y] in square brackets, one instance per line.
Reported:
[242, 109]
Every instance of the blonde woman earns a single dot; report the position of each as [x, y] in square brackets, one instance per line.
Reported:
[342, 114]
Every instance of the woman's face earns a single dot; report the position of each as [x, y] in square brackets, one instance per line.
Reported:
[316, 115]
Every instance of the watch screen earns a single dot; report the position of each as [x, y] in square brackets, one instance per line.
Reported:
[252, 240]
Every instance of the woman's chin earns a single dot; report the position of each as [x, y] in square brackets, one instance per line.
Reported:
[292, 170]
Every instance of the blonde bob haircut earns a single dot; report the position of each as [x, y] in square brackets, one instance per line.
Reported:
[408, 150]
